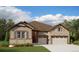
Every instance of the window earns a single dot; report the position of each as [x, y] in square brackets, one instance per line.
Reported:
[18, 34]
[58, 29]
[21, 34]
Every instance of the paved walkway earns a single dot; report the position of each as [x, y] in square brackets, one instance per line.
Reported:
[62, 48]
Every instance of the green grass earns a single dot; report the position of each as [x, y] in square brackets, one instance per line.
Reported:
[4, 48]
[4, 43]
[24, 49]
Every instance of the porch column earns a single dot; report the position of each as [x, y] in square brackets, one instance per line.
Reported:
[49, 38]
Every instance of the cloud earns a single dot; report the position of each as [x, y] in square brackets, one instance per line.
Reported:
[14, 13]
[19, 15]
[54, 19]
[71, 17]
[50, 19]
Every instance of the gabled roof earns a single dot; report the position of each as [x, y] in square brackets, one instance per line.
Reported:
[60, 25]
[24, 22]
[40, 26]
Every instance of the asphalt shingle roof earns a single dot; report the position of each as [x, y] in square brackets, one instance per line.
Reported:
[40, 26]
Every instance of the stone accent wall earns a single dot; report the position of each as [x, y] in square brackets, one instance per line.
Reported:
[13, 40]
[55, 32]
[16, 41]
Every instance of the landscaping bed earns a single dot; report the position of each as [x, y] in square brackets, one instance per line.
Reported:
[4, 47]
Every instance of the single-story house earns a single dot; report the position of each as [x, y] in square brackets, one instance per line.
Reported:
[38, 33]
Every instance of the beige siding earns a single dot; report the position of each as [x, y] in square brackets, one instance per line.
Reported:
[12, 35]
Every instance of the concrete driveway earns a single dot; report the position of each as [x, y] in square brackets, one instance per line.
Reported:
[62, 48]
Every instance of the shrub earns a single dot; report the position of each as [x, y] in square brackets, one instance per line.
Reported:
[76, 42]
[21, 45]
[4, 44]
[29, 44]
[25, 45]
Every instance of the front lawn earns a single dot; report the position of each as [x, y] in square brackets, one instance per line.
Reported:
[24, 49]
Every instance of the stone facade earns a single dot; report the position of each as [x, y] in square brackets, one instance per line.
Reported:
[13, 40]
[34, 35]
[62, 33]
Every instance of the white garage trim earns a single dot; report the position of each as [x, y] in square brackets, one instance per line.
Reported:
[59, 40]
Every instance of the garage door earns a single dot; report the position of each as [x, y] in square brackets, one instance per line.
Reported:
[42, 40]
[59, 40]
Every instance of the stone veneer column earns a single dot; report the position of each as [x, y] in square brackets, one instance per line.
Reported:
[49, 38]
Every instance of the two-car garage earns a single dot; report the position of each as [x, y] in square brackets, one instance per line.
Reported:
[59, 40]
[56, 40]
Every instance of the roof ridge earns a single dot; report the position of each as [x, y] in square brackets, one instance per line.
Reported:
[41, 26]
[42, 23]
[21, 22]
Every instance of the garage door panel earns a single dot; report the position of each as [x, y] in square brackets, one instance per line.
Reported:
[42, 40]
[59, 40]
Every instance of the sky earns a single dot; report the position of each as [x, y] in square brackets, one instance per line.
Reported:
[42, 10]
[46, 14]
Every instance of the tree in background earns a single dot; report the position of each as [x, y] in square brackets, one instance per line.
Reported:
[2, 28]
[73, 26]
[9, 24]
[4, 25]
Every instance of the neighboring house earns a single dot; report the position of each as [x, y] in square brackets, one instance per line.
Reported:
[38, 33]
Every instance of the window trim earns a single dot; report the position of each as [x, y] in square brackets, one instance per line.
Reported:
[25, 35]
